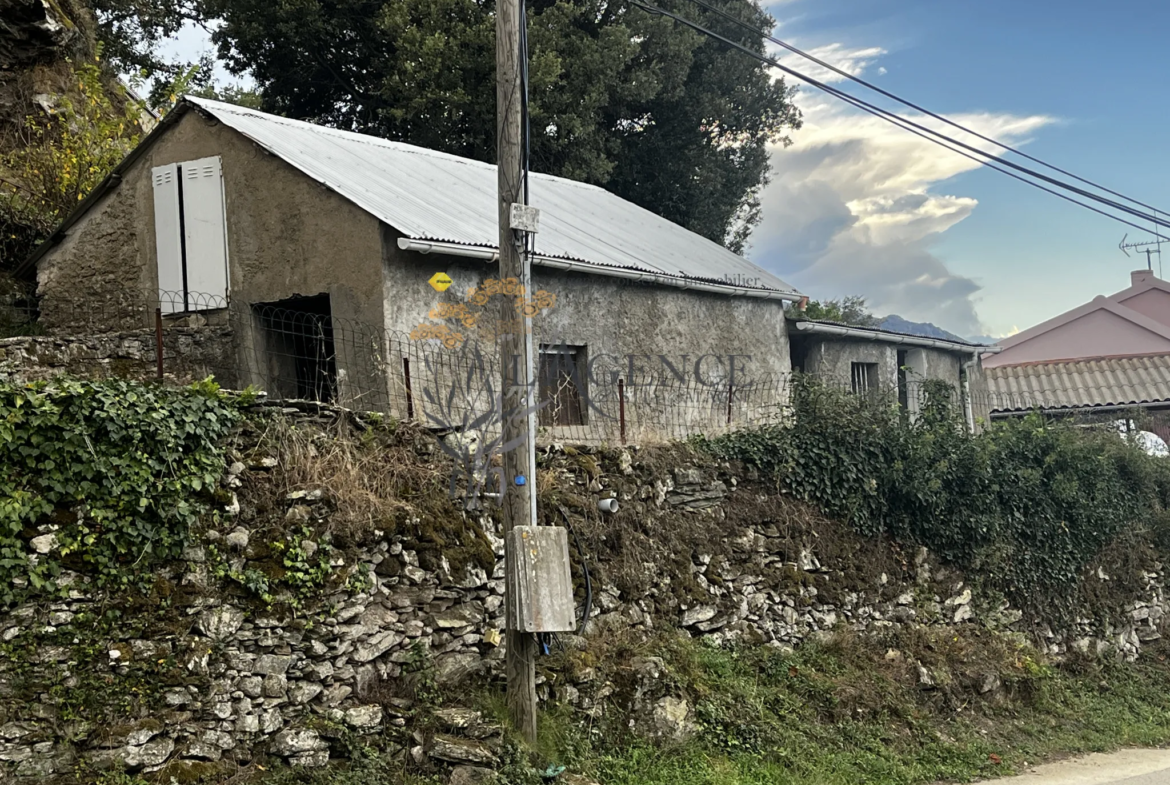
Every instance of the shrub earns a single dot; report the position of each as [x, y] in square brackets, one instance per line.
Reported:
[1029, 502]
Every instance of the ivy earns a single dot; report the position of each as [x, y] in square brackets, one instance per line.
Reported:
[299, 571]
[114, 473]
[1028, 503]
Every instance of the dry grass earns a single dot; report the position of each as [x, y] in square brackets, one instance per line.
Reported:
[373, 479]
[390, 479]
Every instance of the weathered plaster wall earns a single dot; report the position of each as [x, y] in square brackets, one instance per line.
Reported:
[616, 319]
[287, 235]
[934, 364]
[833, 358]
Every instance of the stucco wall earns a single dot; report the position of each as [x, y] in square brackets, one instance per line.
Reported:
[286, 234]
[621, 318]
[832, 358]
[1153, 303]
[1096, 334]
[934, 364]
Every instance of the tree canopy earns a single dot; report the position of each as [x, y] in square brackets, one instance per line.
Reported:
[673, 121]
[847, 310]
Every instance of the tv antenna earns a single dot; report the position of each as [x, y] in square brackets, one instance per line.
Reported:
[1149, 248]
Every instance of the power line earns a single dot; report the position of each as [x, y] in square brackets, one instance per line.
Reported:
[927, 133]
[916, 107]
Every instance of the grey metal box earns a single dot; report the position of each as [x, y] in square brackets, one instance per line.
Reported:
[540, 586]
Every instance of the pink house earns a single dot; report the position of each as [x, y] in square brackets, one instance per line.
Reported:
[1133, 322]
[1108, 356]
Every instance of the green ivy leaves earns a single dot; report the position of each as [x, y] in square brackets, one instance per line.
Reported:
[121, 470]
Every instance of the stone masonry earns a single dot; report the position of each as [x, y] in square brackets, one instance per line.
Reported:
[235, 683]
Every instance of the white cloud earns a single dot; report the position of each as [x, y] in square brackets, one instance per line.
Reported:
[853, 206]
[851, 61]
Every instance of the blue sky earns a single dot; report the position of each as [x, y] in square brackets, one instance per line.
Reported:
[860, 210]
[860, 207]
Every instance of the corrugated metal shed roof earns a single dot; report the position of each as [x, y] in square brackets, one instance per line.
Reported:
[1109, 381]
[428, 195]
[881, 331]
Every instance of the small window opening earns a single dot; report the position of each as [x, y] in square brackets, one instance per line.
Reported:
[864, 377]
[562, 380]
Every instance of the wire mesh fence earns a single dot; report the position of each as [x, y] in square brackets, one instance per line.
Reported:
[299, 349]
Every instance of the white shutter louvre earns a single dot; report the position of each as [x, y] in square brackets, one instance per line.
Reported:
[167, 240]
[206, 234]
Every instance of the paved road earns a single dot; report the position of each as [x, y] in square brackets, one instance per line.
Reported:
[1128, 767]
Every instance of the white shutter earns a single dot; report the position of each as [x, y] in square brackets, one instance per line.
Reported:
[206, 234]
[167, 241]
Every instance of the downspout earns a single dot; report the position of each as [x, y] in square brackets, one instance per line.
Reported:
[965, 388]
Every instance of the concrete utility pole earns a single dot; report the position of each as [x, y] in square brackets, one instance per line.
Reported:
[516, 359]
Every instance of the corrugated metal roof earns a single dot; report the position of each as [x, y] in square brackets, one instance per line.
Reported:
[428, 195]
[1109, 381]
[881, 331]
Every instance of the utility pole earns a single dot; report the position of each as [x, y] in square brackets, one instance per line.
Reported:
[516, 359]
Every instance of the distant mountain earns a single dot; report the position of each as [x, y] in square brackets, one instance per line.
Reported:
[897, 324]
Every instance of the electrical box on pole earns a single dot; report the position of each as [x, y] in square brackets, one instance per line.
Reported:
[525, 218]
[539, 587]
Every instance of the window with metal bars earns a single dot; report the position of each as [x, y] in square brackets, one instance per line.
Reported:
[864, 377]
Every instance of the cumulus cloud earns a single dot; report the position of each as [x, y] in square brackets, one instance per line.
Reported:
[854, 206]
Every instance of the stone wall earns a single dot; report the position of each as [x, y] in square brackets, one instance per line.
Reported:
[201, 677]
[189, 354]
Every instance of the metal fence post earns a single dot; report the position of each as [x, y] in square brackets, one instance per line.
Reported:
[158, 343]
[622, 408]
[409, 392]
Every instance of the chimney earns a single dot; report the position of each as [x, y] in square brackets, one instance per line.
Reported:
[1139, 277]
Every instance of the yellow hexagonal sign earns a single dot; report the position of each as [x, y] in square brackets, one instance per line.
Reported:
[440, 281]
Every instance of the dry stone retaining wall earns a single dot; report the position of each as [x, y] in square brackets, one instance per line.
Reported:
[189, 354]
[211, 679]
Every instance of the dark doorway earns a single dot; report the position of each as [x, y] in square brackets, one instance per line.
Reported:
[798, 349]
[298, 348]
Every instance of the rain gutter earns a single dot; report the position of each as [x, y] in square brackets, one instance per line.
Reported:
[490, 255]
[818, 328]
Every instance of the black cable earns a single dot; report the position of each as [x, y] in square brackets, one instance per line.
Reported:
[584, 570]
[913, 105]
[526, 128]
[923, 130]
[526, 123]
[898, 121]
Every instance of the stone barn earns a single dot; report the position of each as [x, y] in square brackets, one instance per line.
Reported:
[361, 271]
